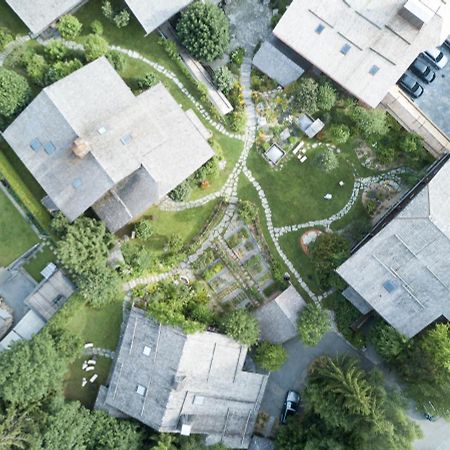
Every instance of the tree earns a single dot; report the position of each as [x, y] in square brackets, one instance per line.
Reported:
[14, 429]
[55, 51]
[224, 79]
[37, 69]
[181, 191]
[107, 10]
[14, 92]
[241, 326]
[313, 323]
[348, 408]
[339, 134]
[270, 356]
[96, 27]
[122, 18]
[327, 160]
[370, 122]
[411, 144]
[30, 370]
[305, 97]
[328, 252]
[326, 97]
[5, 38]
[95, 46]
[84, 245]
[387, 341]
[204, 30]
[174, 243]
[69, 27]
[425, 368]
[144, 229]
[247, 210]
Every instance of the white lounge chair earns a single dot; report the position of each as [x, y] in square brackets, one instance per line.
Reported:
[303, 158]
[295, 151]
[93, 378]
[84, 382]
[88, 369]
[92, 361]
[88, 345]
[85, 364]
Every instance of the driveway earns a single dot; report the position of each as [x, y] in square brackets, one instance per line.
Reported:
[293, 374]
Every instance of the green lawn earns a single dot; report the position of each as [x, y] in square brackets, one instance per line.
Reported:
[99, 326]
[16, 235]
[289, 244]
[24, 185]
[187, 224]
[40, 260]
[295, 193]
[87, 394]
[10, 20]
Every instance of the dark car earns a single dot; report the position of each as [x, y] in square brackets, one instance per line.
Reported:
[410, 86]
[423, 71]
[291, 405]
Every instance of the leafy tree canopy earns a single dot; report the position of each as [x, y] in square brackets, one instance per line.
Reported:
[270, 356]
[242, 326]
[95, 46]
[69, 27]
[14, 92]
[387, 341]
[313, 323]
[204, 30]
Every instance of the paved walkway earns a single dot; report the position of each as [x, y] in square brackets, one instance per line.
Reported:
[97, 351]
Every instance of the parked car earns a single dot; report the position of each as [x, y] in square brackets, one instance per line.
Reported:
[291, 405]
[436, 57]
[410, 86]
[423, 71]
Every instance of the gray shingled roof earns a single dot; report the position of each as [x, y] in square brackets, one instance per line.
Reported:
[271, 61]
[39, 14]
[152, 14]
[142, 146]
[403, 272]
[196, 380]
[278, 318]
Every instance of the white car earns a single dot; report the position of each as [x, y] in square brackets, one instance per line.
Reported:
[436, 57]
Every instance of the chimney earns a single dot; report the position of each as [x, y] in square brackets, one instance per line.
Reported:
[80, 148]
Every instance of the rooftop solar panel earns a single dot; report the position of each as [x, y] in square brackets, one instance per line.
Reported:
[390, 286]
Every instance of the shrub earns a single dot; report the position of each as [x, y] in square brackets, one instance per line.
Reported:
[181, 191]
[96, 27]
[237, 56]
[371, 207]
[69, 27]
[107, 10]
[204, 30]
[237, 121]
[147, 81]
[385, 154]
[313, 323]
[327, 253]
[144, 229]
[242, 326]
[95, 46]
[305, 97]
[224, 79]
[327, 160]
[326, 97]
[55, 51]
[270, 356]
[411, 144]
[174, 243]
[116, 59]
[339, 134]
[388, 342]
[14, 92]
[247, 210]
[122, 19]
[5, 38]
[370, 122]
[170, 47]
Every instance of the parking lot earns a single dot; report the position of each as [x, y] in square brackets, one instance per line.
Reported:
[435, 101]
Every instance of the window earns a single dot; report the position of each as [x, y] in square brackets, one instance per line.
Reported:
[77, 183]
[320, 28]
[126, 139]
[35, 144]
[147, 350]
[345, 49]
[373, 70]
[140, 389]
